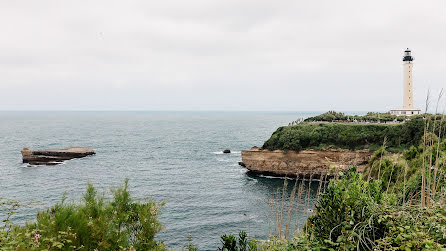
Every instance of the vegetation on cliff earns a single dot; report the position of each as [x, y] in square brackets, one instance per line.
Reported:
[331, 116]
[306, 135]
[350, 136]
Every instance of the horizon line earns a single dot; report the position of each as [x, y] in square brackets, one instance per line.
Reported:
[44, 110]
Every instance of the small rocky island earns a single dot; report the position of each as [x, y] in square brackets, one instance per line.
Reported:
[54, 156]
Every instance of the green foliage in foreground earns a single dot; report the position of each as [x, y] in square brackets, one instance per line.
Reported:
[405, 228]
[242, 243]
[401, 174]
[345, 213]
[356, 214]
[96, 224]
[346, 135]
[379, 209]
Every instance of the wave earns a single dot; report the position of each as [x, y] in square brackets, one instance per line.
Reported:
[28, 165]
[232, 152]
[225, 160]
[275, 177]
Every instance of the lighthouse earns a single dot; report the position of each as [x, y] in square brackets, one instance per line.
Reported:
[408, 80]
[408, 109]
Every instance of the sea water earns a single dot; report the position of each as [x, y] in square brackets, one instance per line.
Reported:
[175, 157]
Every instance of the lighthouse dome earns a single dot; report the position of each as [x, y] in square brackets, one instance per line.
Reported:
[407, 55]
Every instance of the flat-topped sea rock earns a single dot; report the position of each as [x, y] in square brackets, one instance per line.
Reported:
[54, 156]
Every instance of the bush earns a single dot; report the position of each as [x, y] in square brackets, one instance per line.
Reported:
[353, 214]
[300, 242]
[369, 117]
[411, 153]
[345, 215]
[413, 228]
[328, 116]
[349, 136]
[97, 223]
[399, 137]
[230, 243]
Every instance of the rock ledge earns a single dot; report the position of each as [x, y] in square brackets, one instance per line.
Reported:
[54, 156]
[307, 163]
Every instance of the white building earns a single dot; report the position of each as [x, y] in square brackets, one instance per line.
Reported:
[407, 109]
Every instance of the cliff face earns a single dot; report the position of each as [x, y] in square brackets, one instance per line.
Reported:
[308, 162]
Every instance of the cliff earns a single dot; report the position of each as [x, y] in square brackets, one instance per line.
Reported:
[307, 162]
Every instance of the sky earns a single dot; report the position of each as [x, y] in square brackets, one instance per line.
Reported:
[286, 55]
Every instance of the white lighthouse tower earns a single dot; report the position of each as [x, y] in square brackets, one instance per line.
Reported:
[408, 109]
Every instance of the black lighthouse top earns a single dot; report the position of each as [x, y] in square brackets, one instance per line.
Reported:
[407, 55]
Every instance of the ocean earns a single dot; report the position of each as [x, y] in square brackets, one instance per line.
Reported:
[175, 157]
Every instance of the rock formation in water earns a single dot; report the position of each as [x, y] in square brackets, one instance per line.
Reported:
[308, 163]
[54, 156]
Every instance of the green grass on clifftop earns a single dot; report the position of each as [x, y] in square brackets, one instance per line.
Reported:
[346, 135]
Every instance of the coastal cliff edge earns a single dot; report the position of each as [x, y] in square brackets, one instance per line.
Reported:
[307, 163]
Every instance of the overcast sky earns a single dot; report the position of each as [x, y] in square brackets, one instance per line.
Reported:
[218, 55]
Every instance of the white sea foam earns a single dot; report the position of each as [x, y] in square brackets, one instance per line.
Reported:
[244, 171]
[232, 152]
[275, 177]
[225, 160]
[28, 165]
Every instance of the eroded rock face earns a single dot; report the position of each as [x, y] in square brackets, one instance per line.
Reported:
[308, 163]
[54, 156]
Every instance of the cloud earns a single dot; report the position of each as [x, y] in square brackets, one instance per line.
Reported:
[199, 54]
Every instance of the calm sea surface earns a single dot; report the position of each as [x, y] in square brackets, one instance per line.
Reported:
[168, 156]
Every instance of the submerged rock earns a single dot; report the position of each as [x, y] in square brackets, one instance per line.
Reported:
[54, 156]
[227, 151]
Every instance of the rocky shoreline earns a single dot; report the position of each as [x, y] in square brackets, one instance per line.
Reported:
[306, 163]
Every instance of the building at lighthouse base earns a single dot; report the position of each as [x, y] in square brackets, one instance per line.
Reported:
[405, 112]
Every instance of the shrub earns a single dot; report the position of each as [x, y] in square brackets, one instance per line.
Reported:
[350, 136]
[353, 214]
[345, 214]
[370, 117]
[411, 153]
[96, 223]
[413, 228]
[299, 242]
[328, 116]
[230, 243]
